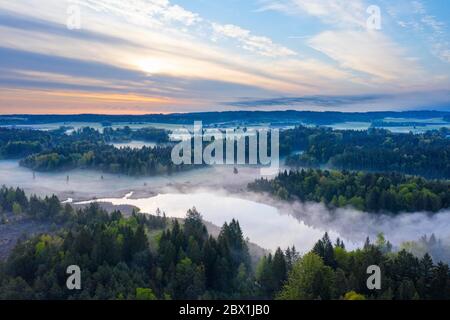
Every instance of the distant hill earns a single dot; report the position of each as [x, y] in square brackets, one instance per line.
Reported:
[234, 117]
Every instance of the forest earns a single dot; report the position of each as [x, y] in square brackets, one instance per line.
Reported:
[106, 158]
[90, 149]
[370, 192]
[380, 150]
[126, 134]
[426, 154]
[149, 257]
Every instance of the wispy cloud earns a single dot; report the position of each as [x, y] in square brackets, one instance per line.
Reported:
[174, 58]
[257, 44]
[337, 12]
[144, 12]
[414, 16]
[436, 100]
[320, 101]
[369, 52]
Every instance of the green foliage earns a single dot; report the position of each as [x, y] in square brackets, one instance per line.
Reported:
[119, 262]
[372, 192]
[104, 157]
[126, 134]
[17, 143]
[271, 273]
[404, 277]
[426, 154]
[145, 294]
[309, 279]
[88, 148]
[16, 208]
[352, 295]
[49, 208]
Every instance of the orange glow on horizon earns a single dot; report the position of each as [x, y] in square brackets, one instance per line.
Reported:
[68, 102]
[110, 97]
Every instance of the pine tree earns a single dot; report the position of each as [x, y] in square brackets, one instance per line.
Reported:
[324, 249]
[279, 269]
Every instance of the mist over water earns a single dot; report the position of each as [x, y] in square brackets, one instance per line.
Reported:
[86, 184]
[220, 196]
[357, 225]
[271, 223]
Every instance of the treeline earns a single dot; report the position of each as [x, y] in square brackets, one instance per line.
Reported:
[331, 272]
[107, 158]
[88, 148]
[139, 257]
[153, 257]
[426, 154]
[16, 143]
[19, 143]
[126, 134]
[372, 192]
[287, 116]
[49, 208]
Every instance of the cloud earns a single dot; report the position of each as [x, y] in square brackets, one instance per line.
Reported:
[322, 101]
[141, 11]
[155, 13]
[369, 52]
[157, 48]
[38, 25]
[257, 44]
[414, 16]
[336, 12]
[435, 100]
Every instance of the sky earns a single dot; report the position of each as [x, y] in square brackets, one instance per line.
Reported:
[164, 56]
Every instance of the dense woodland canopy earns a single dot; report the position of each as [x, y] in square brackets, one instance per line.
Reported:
[153, 257]
[107, 158]
[18, 143]
[139, 257]
[127, 134]
[371, 192]
[426, 154]
[89, 148]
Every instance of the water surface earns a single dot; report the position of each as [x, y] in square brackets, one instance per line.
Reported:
[263, 224]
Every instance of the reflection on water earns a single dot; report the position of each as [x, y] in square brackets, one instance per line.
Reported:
[263, 224]
[271, 223]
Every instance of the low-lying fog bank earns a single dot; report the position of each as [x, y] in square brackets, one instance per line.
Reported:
[86, 184]
[220, 195]
[271, 223]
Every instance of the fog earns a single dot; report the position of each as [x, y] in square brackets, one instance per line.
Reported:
[357, 225]
[262, 224]
[86, 184]
[221, 195]
[271, 223]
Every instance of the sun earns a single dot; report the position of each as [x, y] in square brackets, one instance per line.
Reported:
[155, 66]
